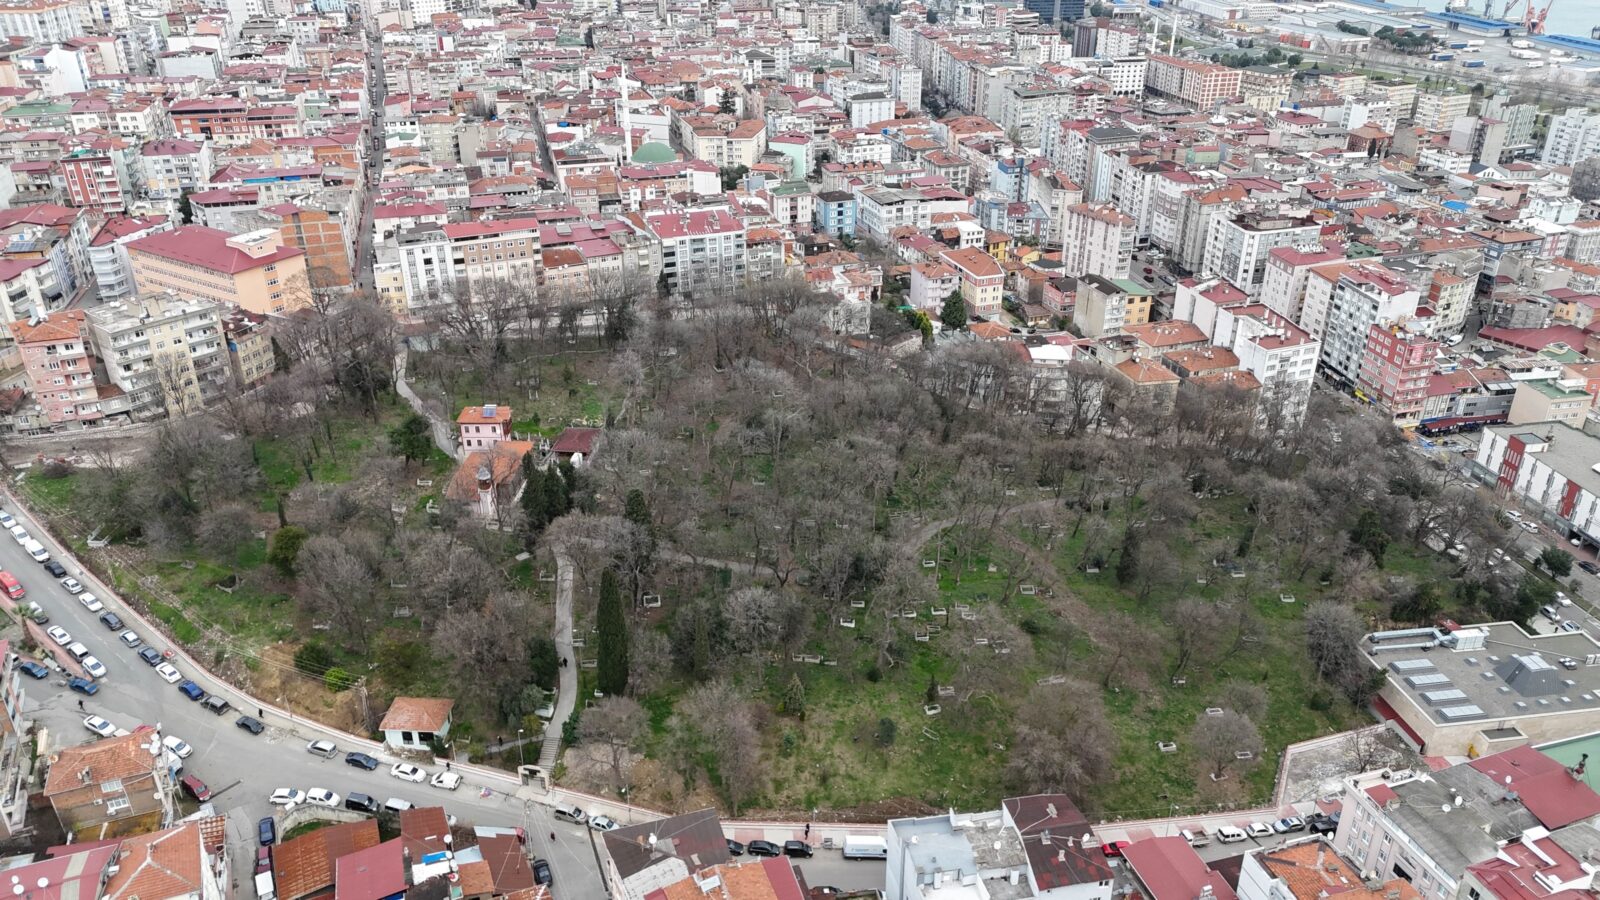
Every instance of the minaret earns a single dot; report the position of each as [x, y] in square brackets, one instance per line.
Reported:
[627, 132]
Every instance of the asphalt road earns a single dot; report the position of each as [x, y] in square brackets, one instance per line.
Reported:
[243, 769]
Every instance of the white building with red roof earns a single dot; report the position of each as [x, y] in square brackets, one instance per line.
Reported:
[702, 248]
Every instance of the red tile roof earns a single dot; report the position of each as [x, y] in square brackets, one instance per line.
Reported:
[207, 248]
[1547, 789]
[1171, 870]
[417, 714]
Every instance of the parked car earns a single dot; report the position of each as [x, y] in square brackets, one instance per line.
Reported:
[604, 823]
[735, 848]
[764, 848]
[93, 666]
[1259, 830]
[361, 803]
[195, 788]
[1570, 625]
[251, 724]
[541, 872]
[323, 797]
[263, 859]
[73, 585]
[215, 705]
[192, 690]
[569, 812]
[83, 686]
[799, 849]
[1229, 834]
[169, 673]
[128, 637]
[77, 650]
[359, 760]
[1589, 567]
[112, 621]
[266, 832]
[1320, 824]
[177, 746]
[100, 726]
[150, 655]
[33, 669]
[397, 805]
[287, 797]
[6, 521]
[59, 635]
[446, 780]
[1114, 848]
[1530, 527]
[408, 772]
[324, 749]
[1292, 823]
[91, 602]
[18, 533]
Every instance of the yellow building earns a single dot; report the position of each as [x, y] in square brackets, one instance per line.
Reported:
[254, 271]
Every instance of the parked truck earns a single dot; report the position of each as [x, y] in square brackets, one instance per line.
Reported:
[1458, 45]
[1442, 57]
[860, 847]
[1472, 63]
[1524, 54]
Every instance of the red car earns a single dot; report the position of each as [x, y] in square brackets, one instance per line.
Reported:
[263, 859]
[1114, 848]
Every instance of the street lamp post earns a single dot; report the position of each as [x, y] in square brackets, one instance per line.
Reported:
[521, 761]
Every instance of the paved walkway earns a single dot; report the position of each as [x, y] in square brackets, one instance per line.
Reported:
[567, 698]
[440, 428]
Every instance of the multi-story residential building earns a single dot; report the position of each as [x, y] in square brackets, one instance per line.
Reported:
[1279, 354]
[1437, 111]
[44, 21]
[230, 122]
[1362, 296]
[982, 280]
[249, 341]
[29, 286]
[1283, 281]
[1516, 818]
[1237, 246]
[1106, 306]
[1564, 400]
[55, 358]
[330, 251]
[880, 210]
[1395, 370]
[1023, 844]
[108, 252]
[722, 140]
[1573, 136]
[254, 270]
[836, 213]
[95, 180]
[481, 427]
[701, 249]
[1097, 240]
[163, 351]
[1199, 84]
[107, 781]
[438, 260]
[172, 167]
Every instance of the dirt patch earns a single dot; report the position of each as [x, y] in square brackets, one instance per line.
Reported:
[876, 811]
[277, 681]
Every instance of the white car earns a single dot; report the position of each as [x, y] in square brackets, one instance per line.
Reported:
[1513, 515]
[446, 780]
[59, 635]
[287, 797]
[99, 726]
[168, 673]
[323, 797]
[72, 585]
[408, 772]
[91, 602]
[18, 533]
[1259, 829]
[94, 667]
[6, 521]
[177, 746]
[604, 823]
[130, 639]
[1530, 528]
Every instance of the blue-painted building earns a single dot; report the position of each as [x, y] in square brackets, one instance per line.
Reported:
[836, 213]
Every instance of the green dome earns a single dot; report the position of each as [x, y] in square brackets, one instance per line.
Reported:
[654, 152]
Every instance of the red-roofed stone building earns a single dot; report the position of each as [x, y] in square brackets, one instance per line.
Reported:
[254, 270]
[105, 781]
[481, 427]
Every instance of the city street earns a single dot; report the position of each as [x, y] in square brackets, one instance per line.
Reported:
[240, 768]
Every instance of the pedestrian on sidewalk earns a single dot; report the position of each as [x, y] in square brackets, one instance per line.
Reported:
[808, 831]
[80, 704]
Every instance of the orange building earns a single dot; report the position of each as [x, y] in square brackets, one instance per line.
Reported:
[321, 236]
[254, 270]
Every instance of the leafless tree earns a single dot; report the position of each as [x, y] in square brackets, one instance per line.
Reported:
[1246, 699]
[1194, 623]
[488, 646]
[616, 724]
[1066, 744]
[341, 584]
[1217, 741]
[1333, 645]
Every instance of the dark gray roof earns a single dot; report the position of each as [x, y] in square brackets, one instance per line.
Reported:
[696, 838]
[1468, 833]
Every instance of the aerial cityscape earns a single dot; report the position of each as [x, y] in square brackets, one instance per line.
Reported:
[776, 450]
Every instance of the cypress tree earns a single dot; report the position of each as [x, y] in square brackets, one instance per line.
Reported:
[613, 637]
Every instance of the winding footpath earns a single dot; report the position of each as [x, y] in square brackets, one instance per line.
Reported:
[567, 697]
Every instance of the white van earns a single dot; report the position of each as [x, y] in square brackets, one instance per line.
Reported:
[1228, 834]
[264, 886]
[858, 847]
[37, 551]
[396, 805]
[569, 812]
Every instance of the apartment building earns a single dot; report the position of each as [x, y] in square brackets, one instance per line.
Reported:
[28, 285]
[436, 260]
[701, 249]
[1395, 369]
[330, 252]
[108, 252]
[1097, 239]
[60, 371]
[105, 782]
[1237, 246]
[1199, 84]
[1574, 136]
[248, 338]
[1564, 400]
[95, 180]
[1437, 111]
[255, 270]
[44, 21]
[1106, 306]
[1362, 296]
[1283, 280]
[171, 167]
[165, 352]
[231, 122]
[1280, 355]
[982, 281]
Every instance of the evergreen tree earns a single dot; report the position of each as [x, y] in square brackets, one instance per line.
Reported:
[794, 697]
[613, 637]
[533, 515]
[410, 439]
[637, 511]
[1369, 535]
[953, 314]
[1128, 561]
[280, 357]
[553, 490]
